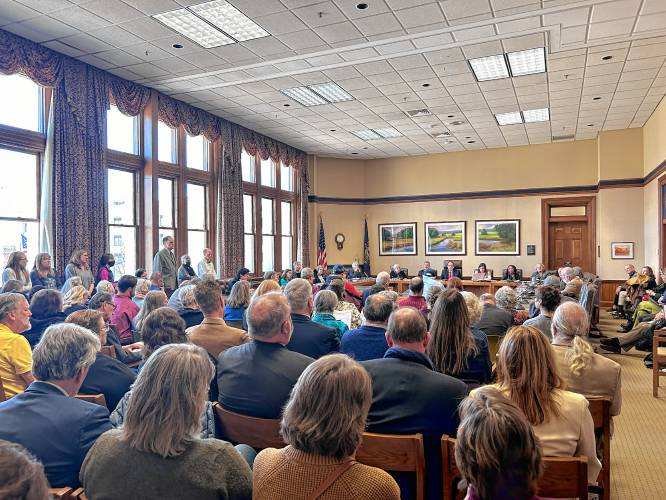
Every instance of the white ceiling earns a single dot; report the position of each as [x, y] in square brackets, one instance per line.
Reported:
[382, 56]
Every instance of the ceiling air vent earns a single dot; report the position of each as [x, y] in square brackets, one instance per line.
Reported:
[563, 137]
[419, 112]
[442, 135]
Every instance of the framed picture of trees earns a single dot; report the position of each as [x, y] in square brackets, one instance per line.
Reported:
[397, 239]
[446, 238]
[498, 237]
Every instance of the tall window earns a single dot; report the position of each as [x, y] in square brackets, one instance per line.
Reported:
[248, 230]
[122, 132]
[197, 221]
[167, 143]
[21, 103]
[122, 220]
[21, 146]
[269, 207]
[166, 208]
[196, 152]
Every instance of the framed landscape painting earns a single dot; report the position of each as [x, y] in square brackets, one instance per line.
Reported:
[622, 250]
[397, 239]
[445, 238]
[498, 237]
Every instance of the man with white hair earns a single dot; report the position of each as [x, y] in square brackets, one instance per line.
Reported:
[309, 338]
[15, 353]
[46, 419]
[206, 265]
[397, 273]
[573, 283]
[382, 280]
[255, 379]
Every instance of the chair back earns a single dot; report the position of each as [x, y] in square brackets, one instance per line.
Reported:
[395, 453]
[67, 493]
[98, 399]
[235, 323]
[109, 350]
[240, 429]
[600, 411]
[563, 477]
[658, 357]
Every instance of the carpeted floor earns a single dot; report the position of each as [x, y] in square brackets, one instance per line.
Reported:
[638, 450]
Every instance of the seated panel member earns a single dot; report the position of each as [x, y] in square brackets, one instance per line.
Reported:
[427, 270]
[511, 273]
[356, 272]
[397, 273]
[482, 273]
[539, 273]
[450, 271]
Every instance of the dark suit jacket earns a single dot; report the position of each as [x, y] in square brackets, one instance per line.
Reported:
[312, 339]
[110, 377]
[494, 321]
[428, 272]
[456, 273]
[255, 379]
[57, 429]
[398, 276]
[517, 277]
[408, 396]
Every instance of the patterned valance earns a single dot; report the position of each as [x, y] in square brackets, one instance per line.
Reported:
[196, 121]
[130, 98]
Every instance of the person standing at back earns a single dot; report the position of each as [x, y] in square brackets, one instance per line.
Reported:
[165, 262]
[206, 265]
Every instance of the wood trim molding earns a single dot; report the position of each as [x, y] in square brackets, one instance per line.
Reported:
[661, 222]
[590, 203]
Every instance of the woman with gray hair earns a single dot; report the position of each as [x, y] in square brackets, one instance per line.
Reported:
[105, 286]
[318, 461]
[157, 452]
[190, 311]
[325, 303]
[140, 290]
[338, 287]
[474, 307]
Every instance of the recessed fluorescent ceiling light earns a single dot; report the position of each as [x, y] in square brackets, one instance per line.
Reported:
[387, 133]
[527, 62]
[304, 95]
[230, 20]
[536, 115]
[331, 92]
[194, 28]
[509, 118]
[489, 68]
[366, 135]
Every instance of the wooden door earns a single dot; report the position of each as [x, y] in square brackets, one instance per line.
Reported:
[568, 242]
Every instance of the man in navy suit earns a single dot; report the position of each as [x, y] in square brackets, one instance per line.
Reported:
[409, 396]
[312, 339]
[46, 419]
[450, 271]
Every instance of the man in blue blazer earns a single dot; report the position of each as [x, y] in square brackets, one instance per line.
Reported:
[312, 339]
[409, 396]
[46, 419]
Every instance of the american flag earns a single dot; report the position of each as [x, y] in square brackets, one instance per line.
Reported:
[321, 251]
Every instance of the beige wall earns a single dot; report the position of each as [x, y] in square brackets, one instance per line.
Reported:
[623, 214]
[654, 139]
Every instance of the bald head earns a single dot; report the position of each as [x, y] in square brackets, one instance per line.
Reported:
[268, 318]
[406, 326]
[570, 320]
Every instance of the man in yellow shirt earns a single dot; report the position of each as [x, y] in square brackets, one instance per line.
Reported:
[15, 353]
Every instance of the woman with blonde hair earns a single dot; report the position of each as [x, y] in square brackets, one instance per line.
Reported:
[582, 370]
[43, 273]
[16, 269]
[265, 287]
[140, 290]
[318, 459]
[79, 265]
[474, 307]
[496, 451]
[527, 374]
[152, 301]
[105, 286]
[238, 300]
[71, 283]
[457, 349]
[146, 458]
[75, 300]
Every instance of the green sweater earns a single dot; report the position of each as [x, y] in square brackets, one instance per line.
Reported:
[208, 469]
[329, 320]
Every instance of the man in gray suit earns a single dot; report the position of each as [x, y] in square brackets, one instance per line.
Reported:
[165, 262]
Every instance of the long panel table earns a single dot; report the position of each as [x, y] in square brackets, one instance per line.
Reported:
[476, 287]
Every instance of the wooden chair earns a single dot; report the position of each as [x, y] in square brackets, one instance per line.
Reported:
[563, 477]
[63, 493]
[395, 453]
[109, 350]
[257, 432]
[98, 399]
[658, 357]
[600, 411]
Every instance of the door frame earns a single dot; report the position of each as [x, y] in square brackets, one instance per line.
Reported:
[590, 203]
[662, 222]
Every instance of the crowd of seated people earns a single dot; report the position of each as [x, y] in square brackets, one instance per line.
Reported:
[402, 366]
